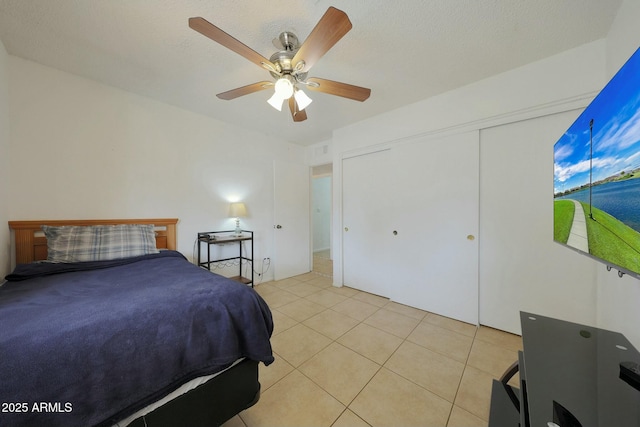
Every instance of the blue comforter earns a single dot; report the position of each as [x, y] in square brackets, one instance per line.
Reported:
[88, 344]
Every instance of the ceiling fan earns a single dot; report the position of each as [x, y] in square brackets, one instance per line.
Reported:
[290, 65]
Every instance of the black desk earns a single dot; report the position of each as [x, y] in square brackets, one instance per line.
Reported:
[568, 367]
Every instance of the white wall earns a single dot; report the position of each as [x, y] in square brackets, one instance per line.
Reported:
[509, 96]
[624, 37]
[619, 298]
[559, 83]
[5, 175]
[320, 153]
[81, 149]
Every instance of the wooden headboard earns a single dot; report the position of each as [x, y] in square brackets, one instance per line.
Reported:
[31, 245]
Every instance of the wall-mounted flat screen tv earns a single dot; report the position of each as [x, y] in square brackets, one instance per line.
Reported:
[597, 175]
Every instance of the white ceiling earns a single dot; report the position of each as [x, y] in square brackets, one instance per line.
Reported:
[404, 50]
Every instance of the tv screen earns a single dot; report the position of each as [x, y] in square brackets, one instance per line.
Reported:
[597, 175]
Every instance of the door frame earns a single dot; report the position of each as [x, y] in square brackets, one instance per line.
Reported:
[313, 174]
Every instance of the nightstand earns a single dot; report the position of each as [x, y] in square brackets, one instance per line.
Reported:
[227, 238]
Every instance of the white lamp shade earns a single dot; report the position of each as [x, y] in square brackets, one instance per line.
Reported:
[302, 99]
[276, 101]
[237, 210]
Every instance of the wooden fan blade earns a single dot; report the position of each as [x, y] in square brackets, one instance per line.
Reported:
[345, 90]
[206, 28]
[333, 25]
[298, 116]
[244, 90]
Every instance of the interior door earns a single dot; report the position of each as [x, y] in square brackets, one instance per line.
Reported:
[291, 220]
[435, 187]
[366, 210]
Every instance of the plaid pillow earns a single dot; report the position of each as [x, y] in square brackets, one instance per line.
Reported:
[99, 242]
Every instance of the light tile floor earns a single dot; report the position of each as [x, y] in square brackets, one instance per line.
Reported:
[349, 358]
[322, 263]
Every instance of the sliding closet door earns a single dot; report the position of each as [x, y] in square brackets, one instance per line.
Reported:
[366, 212]
[521, 267]
[435, 225]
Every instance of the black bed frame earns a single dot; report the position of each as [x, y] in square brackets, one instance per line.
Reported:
[210, 404]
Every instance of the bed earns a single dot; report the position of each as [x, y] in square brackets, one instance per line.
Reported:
[143, 340]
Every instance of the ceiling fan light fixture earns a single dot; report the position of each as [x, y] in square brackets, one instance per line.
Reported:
[276, 101]
[302, 99]
[284, 87]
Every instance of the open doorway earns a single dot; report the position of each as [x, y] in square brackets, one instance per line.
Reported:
[322, 219]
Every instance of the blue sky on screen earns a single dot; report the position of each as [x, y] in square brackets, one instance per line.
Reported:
[616, 133]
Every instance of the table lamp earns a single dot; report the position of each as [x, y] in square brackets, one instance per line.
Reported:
[237, 210]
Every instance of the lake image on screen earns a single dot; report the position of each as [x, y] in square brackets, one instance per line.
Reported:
[597, 175]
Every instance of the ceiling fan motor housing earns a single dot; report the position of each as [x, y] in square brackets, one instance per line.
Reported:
[282, 61]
